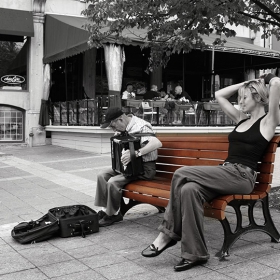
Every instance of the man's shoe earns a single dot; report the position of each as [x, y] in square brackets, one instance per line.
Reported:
[151, 251]
[109, 220]
[185, 264]
[101, 214]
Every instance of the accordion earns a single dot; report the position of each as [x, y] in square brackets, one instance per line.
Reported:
[124, 142]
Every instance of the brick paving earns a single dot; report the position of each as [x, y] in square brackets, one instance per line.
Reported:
[33, 180]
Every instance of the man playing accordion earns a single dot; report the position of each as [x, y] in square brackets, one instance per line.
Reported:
[109, 182]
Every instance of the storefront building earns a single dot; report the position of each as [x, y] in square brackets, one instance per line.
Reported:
[22, 68]
[15, 40]
[50, 60]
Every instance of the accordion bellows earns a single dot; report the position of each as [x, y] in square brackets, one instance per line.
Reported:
[124, 142]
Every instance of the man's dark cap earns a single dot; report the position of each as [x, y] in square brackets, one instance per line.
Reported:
[111, 114]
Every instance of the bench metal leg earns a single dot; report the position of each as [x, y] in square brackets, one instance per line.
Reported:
[131, 203]
[231, 237]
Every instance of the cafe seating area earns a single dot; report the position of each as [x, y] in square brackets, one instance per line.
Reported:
[173, 112]
[90, 112]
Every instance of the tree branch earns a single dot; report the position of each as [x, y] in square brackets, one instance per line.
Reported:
[261, 19]
[265, 8]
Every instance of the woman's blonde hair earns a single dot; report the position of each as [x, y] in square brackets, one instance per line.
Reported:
[257, 88]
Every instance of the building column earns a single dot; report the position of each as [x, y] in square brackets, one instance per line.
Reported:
[34, 135]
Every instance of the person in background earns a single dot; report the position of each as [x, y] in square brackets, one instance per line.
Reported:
[181, 96]
[164, 95]
[192, 186]
[110, 183]
[128, 93]
[140, 92]
[151, 94]
[163, 110]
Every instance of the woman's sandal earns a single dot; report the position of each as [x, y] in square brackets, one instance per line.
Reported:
[151, 251]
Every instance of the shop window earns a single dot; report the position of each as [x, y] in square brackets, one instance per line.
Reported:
[11, 124]
[13, 65]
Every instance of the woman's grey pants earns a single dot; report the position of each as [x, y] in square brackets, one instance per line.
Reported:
[110, 183]
[191, 186]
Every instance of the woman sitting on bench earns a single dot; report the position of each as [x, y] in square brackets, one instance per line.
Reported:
[192, 186]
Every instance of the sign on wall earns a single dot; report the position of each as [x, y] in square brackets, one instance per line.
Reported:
[12, 79]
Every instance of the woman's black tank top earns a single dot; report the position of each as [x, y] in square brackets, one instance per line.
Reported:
[247, 147]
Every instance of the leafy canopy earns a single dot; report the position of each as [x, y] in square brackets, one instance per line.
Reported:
[176, 25]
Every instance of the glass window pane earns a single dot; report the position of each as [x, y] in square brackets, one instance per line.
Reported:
[13, 70]
[11, 124]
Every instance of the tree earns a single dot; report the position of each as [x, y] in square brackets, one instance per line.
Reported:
[177, 25]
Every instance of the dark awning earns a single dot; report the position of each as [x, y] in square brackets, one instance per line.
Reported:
[16, 23]
[66, 36]
[236, 45]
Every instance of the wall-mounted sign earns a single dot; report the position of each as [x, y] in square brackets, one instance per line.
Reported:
[12, 79]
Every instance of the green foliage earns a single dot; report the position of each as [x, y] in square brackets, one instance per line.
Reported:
[173, 26]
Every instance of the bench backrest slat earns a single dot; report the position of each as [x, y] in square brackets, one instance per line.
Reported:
[194, 153]
[188, 161]
[219, 146]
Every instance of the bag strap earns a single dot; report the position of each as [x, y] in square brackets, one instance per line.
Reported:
[82, 225]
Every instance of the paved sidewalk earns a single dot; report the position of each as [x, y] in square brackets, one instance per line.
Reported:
[33, 180]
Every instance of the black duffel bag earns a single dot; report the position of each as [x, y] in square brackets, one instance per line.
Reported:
[36, 231]
[75, 220]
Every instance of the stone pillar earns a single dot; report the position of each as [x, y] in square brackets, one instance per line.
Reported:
[34, 135]
[156, 77]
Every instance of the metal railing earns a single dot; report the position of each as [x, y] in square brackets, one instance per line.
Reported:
[85, 112]
[90, 112]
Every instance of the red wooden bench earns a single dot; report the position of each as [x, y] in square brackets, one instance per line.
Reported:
[180, 151]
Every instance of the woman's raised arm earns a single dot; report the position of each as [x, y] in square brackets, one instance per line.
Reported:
[222, 97]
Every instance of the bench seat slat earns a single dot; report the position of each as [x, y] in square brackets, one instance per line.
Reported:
[218, 204]
[213, 213]
[255, 195]
[160, 193]
[227, 198]
[146, 198]
[165, 175]
[159, 185]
